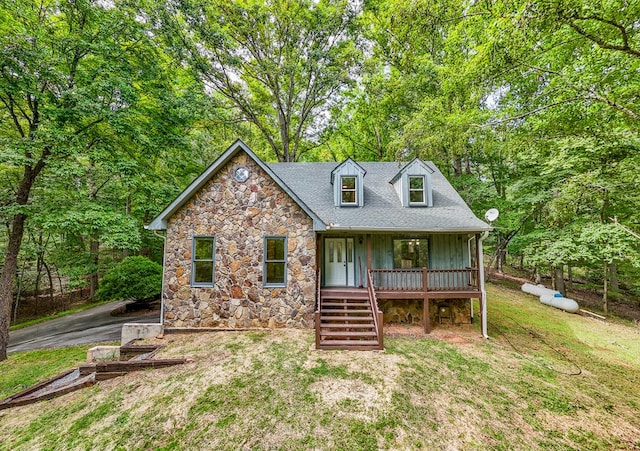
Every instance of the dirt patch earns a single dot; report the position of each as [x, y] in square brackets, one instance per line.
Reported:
[363, 398]
[464, 334]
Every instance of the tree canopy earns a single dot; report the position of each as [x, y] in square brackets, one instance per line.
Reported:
[109, 108]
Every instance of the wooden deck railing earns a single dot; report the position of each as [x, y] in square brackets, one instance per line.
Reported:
[377, 313]
[425, 279]
[318, 313]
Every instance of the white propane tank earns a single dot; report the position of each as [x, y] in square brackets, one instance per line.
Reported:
[566, 304]
[551, 297]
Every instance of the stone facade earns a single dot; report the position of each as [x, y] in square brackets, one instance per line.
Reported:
[410, 311]
[239, 215]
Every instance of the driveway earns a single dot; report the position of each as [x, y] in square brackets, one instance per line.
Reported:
[93, 325]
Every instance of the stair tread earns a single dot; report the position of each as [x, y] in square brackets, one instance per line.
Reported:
[331, 310]
[345, 304]
[346, 326]
[345, 297]
[346, 318]
[337, 333]
[349, 342]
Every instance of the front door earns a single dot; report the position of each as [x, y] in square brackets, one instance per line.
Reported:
[339, 266]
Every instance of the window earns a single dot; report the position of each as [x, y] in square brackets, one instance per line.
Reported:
[348, 190]
[203, 259]
[416, 189]
[412, 253]
[275, 261]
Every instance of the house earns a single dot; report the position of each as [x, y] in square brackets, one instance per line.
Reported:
[340, 247]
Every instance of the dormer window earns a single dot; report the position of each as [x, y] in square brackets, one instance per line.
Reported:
[413, 184]
[416, 189]
[348, 190]
[348, 187]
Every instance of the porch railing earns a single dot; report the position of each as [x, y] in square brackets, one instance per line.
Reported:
[425, 279]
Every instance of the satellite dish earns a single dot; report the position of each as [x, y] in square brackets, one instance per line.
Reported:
[491, 214]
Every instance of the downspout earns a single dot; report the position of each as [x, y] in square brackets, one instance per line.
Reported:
[483, 291]
[469, 252]
[164, 261]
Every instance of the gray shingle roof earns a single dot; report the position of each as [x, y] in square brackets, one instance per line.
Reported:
[382, 209]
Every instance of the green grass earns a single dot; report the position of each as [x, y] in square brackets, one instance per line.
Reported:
[271, 390]
[24, 369]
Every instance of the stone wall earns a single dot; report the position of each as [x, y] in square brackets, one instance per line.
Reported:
[409, 311]
[240, 215]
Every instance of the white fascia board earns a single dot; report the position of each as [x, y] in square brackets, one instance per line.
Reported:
[339, 228]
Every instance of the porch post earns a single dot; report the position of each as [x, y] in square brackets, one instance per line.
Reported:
[426, 318]
[478, 261]
[369, 256]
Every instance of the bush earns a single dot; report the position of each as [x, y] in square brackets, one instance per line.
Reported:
[133, 277]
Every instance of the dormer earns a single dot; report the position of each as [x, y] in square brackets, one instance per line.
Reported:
[413, 184]
[348, 188]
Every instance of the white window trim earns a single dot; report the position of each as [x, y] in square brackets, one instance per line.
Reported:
[265, 261]
[354, 190]
[423, 189]
[193, 261]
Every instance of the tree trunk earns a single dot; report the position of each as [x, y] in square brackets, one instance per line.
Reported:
[37, 287]
[13, 249]
[559, 279]
[613, 278]
[457, 166]
[94, 247]
[6, 279]
[18, 294]
[605, 291]
[46, 267]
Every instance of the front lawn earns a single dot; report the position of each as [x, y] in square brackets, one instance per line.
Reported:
[452, 390]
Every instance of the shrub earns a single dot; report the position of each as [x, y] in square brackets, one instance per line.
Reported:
[134, 277]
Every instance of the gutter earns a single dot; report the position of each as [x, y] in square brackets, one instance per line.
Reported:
[483, 291]
[338, 228]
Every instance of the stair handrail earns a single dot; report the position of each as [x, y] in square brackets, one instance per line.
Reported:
[318, 290]
[317, 315]
[377, 313]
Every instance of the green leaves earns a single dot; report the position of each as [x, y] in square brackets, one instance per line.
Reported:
[281, 65]
[134, 277]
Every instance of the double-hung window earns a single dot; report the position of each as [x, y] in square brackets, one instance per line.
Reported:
[275, 261]
[416, 190]
[348, 193]
[203, 258]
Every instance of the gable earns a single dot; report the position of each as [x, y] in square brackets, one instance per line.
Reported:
[160, 222]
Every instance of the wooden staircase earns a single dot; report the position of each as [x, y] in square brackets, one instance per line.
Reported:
[346, 319]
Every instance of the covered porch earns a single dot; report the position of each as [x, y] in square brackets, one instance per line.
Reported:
[366, 267]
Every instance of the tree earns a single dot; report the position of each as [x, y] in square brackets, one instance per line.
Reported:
[281, 64]
[69, 73]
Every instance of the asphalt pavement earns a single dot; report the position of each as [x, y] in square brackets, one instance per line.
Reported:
[93, 325]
